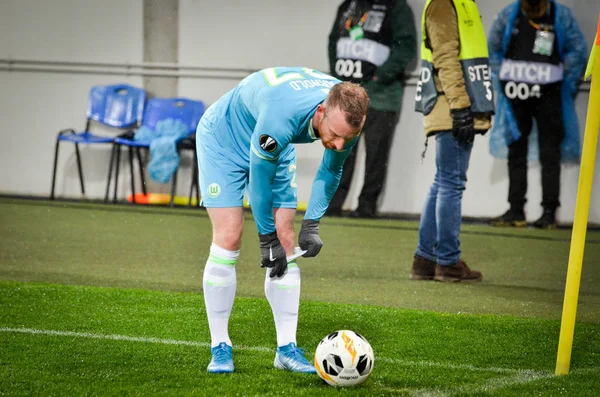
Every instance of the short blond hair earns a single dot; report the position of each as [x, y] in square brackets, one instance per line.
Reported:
[352, 99]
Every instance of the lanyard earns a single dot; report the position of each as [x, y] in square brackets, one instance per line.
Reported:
[538, 26]
[360, 23]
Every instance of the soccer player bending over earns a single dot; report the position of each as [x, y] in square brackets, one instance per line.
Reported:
[244, 142]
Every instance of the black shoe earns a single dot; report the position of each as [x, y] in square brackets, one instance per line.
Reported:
[547, 220]
[512, 217]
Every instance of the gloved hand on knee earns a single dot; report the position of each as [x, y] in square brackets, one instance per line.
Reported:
[309, 238]
[273, 254]
[463, 127]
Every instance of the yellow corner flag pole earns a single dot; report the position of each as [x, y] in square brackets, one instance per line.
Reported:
[582, 207]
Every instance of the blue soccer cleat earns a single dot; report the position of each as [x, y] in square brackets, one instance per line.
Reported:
[222, 359]
[291, 358]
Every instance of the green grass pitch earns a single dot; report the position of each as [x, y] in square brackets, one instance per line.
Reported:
[107, 300]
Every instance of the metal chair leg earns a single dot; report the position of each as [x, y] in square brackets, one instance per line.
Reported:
[197, 186]
[110, 168]
[194, 180]
[131, 174]
[197, 178]
[173, 188]
[191, 190]
[174, 180]
[142, 175]
[118, 163]
[78, 156]
[54, 169]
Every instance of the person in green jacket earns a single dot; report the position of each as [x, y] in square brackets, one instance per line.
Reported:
[371, 43]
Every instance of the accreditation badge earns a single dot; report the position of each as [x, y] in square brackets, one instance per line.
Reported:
[544, 43]
[357, 33]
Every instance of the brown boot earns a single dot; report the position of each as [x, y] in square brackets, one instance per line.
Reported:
[459, 272]
[422, 269]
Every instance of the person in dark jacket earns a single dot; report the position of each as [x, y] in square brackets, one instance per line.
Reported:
[371, 43]
[537, 56]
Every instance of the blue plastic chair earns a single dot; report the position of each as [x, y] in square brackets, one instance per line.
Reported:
[117, 106]
[186, 110]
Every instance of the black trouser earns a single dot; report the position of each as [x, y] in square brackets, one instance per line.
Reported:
[378, 132]
[547, 112]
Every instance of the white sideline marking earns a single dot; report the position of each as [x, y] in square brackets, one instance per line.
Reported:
[492, 385]
[489, 386]
[90, 335]
[102, 336]
[462, 367]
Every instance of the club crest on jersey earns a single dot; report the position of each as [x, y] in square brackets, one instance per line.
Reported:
[214, 190]
[268, 143]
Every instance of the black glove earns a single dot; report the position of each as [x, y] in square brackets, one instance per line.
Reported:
[463, 128]
[309, 239]
[273, 254]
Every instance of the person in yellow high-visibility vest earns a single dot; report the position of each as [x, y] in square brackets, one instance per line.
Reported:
[455, 95]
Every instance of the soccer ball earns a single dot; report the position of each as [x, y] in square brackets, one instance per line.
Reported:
[344, 358]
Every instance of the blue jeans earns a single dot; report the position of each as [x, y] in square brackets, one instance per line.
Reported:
[441, 217]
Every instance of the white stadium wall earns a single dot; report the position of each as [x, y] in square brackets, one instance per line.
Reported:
[220, 42]
[34, 106]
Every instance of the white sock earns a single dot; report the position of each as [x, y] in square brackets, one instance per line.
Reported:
[283, 295]
[219, 284]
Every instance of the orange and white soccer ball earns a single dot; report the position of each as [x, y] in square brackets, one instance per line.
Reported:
[344, 358]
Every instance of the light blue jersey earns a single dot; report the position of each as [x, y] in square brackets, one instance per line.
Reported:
[244, 141]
